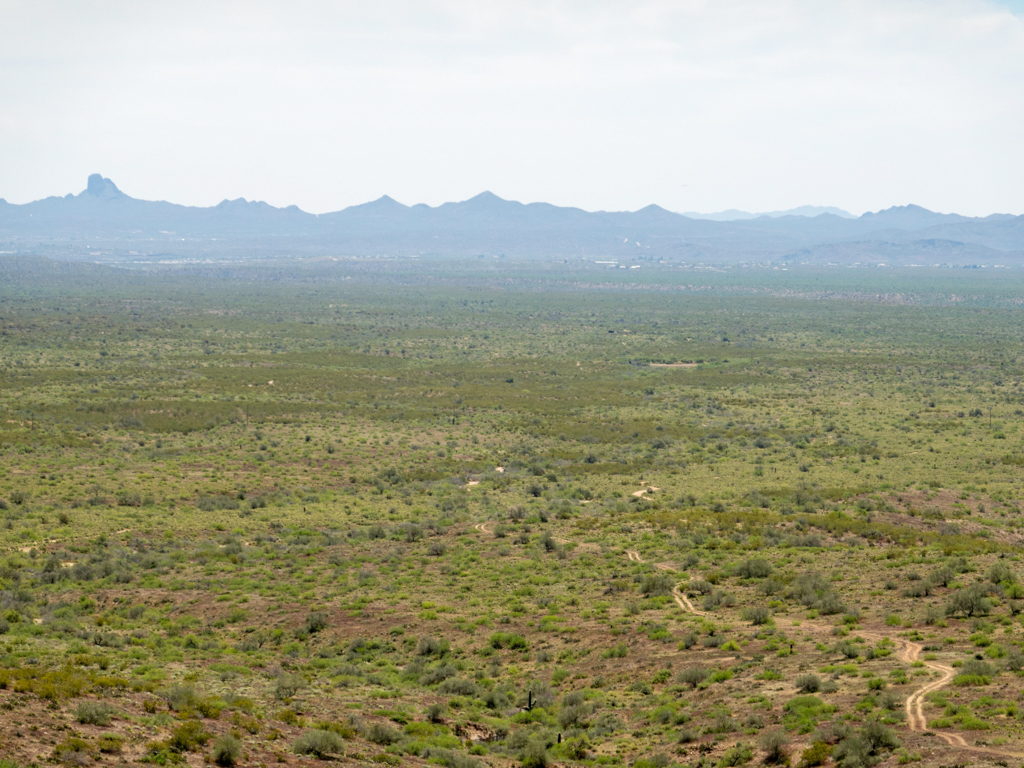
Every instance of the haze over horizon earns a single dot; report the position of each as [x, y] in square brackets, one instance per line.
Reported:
[99, 186]
[688, 105]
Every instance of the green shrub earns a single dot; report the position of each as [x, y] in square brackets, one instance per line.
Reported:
[720, 676]
[74, 751]
[344, 730]
[802, 713]
[534, 754]
[656, 761]
[816, 754]
[209, 707]
[971, 680]
[849, 650]
[889, 700]
[109, 744]
[773, 743]
[641, 686]
[617, 652]
[226, 750]
[755, 568]
[808, 683]
[458, 686]
[211, 503]
[657, 584]
[431, 646]
[853, 752]
[316, 621]
[879, 737]
[287, 686]
[448, 758]
[382, 734]
[508, 640]
[322, 744]
[757, 615]
[188, 736]
[246, 722]
[738, 754]
[94, 713]
[179, 697]
[692, 676]
[288, 716]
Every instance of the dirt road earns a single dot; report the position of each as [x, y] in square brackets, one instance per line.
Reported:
[909, 653]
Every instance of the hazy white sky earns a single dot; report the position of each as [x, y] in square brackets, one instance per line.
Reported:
[603, 105]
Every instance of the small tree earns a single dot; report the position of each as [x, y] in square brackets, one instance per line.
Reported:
[942, 575]
[1000, 572]
[969, 602]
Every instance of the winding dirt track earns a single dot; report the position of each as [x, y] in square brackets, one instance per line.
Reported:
[915, 713]
[909, 653]
[681, 599]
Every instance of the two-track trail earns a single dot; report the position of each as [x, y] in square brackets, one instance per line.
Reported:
[680, 597]
[909, 652]
[915, 713]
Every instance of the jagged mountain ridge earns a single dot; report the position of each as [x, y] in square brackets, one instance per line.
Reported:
[487, 224]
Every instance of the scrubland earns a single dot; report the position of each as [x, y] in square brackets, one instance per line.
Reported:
[464, 520]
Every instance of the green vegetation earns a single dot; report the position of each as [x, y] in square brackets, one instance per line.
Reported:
[246, 521]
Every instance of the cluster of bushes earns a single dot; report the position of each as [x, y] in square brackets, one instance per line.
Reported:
[939, 577]
[512, 641]
[815, 591]
[849, 748]
[972, 600]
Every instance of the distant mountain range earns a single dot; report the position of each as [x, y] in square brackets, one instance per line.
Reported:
[804, 210]
[104, 224]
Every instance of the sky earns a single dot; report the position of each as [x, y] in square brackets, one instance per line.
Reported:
[694, 105]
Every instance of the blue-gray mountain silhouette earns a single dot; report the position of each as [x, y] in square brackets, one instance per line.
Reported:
[103, 218]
